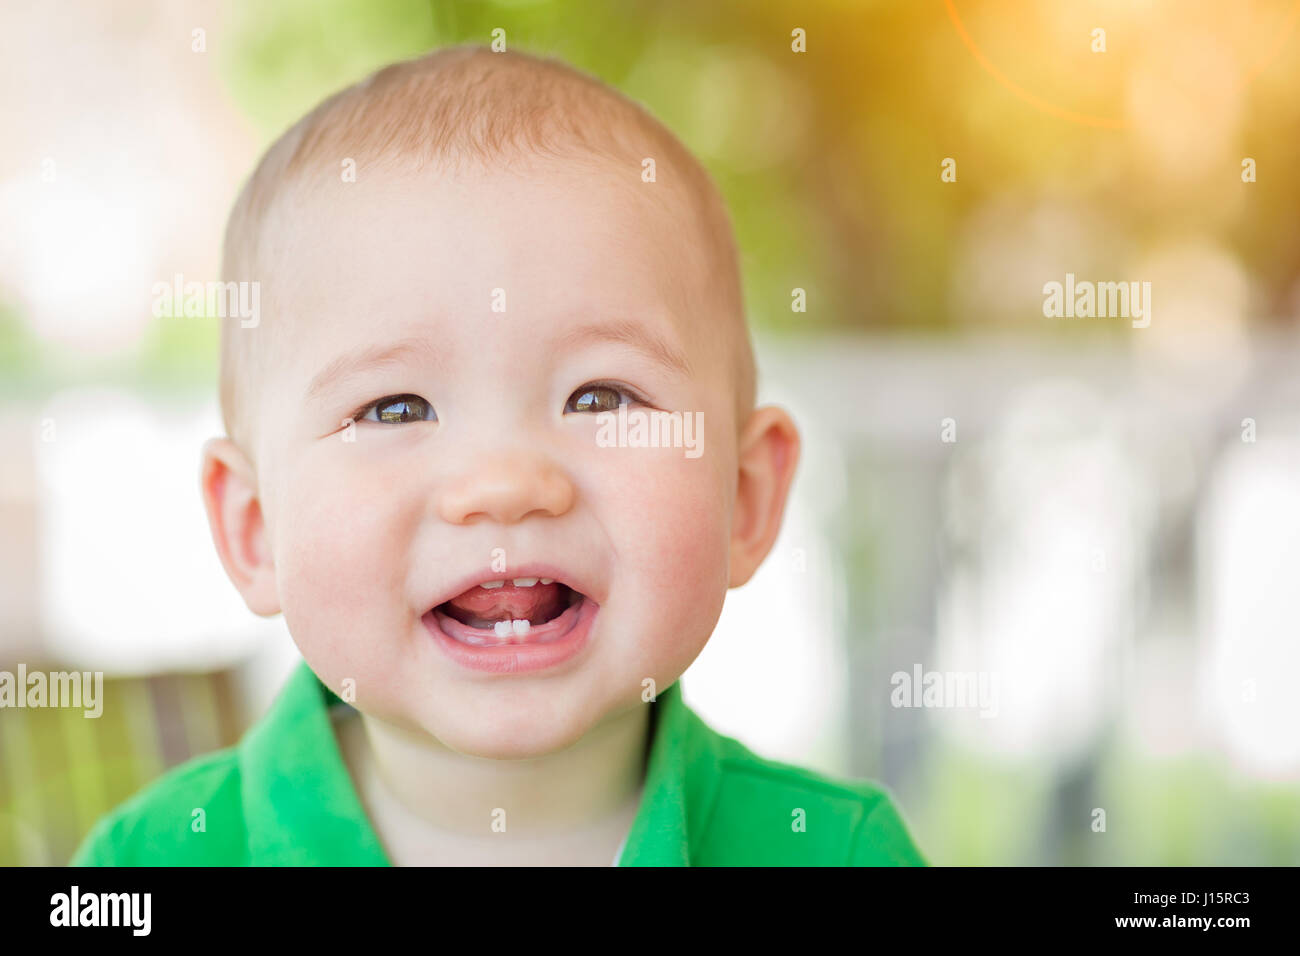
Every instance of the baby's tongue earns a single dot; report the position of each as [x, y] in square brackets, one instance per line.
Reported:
[481, 607]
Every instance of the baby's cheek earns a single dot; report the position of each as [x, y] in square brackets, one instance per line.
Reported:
[338, 563]
[676, 549]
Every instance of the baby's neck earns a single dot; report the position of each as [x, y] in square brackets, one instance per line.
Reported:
[429, 804]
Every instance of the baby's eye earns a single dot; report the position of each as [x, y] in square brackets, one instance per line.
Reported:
[400, 409]
[599, 397]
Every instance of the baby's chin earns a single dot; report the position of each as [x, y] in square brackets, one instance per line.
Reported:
[476, 743]
[507, 728]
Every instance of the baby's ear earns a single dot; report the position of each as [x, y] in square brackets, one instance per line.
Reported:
[229, 487]
[768, 454]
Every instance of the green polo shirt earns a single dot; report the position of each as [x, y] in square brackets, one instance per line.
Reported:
[283, 797]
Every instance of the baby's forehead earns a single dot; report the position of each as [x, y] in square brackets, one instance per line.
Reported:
[596, 192]
[531, 240]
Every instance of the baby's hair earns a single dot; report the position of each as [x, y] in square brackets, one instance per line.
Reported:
[445, 109]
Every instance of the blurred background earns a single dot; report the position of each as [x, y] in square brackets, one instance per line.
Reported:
[1096, 523]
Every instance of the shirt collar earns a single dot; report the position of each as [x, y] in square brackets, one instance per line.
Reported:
[300, 806]
[659, 832]
[301, 809]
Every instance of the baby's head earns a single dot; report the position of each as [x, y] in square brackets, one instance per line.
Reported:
[463, 261]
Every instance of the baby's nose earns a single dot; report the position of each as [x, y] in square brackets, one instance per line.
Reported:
[506, 488]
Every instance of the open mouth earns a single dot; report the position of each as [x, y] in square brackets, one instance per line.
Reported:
[510, 612]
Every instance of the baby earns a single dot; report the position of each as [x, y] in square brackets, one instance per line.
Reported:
[470, 265]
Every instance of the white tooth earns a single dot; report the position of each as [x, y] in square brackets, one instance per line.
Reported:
[502, 628]
[521, 627]
[525, 582]
[548, 580]
[492, 584]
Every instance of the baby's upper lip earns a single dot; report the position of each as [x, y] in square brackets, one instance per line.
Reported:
[531, 569]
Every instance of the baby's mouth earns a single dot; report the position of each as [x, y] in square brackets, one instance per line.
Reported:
[512, 611]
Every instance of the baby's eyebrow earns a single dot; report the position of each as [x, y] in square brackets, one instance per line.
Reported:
[367, 359]
[622, 332]
[630, 333]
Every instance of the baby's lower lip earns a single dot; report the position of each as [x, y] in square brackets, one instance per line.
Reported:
[544, 646]
[551, 630]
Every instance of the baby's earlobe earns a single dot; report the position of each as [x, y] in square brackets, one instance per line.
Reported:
[768, 456]
[228, 485]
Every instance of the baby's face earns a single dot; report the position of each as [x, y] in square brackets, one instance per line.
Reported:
[456, 320]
